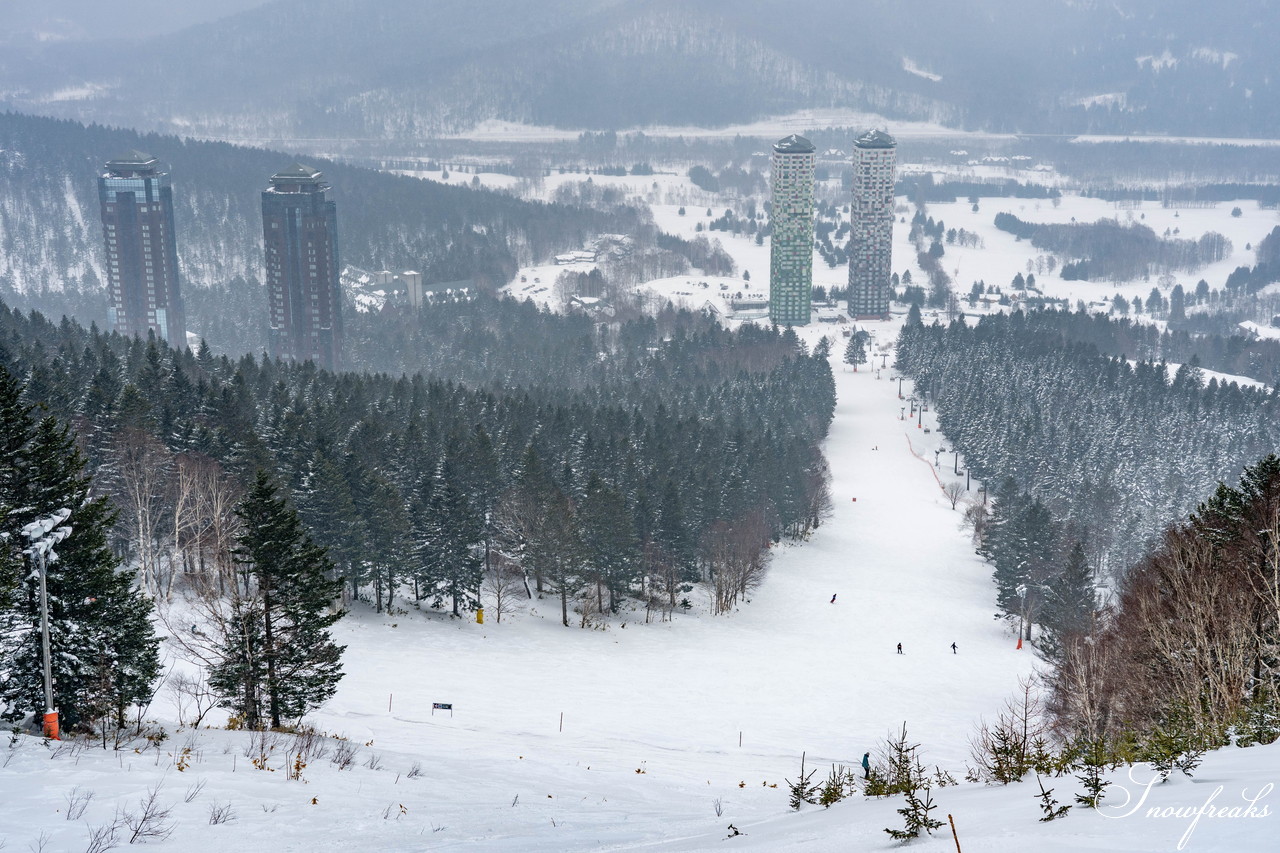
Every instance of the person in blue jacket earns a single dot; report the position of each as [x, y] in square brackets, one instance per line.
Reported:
[866, 765]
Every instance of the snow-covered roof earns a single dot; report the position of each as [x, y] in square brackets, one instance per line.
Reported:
[875, 139]
[794, 144]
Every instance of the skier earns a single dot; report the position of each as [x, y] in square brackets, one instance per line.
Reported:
[953, 648]
[833, 598]
[866, 765]
[899, 648]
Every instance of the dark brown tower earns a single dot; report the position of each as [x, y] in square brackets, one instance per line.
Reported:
[300, 241]
[142, 256]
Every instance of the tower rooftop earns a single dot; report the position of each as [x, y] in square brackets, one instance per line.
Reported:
[132, 163]
[794, 144]
[296, 176]
[875, 139]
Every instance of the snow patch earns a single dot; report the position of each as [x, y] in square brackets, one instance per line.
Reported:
[83, 92]
[911, 67]
[1157, 63]
[1106, 99]
[1216, 57]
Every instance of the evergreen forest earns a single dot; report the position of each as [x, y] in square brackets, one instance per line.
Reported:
[599, 464]
[1112, 448]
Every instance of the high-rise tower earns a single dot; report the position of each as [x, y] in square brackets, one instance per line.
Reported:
[871, 221]
[791, 225]
[143, 293]
[300, 241]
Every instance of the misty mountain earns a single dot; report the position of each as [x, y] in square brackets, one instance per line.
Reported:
[401, 68]
[81, 20]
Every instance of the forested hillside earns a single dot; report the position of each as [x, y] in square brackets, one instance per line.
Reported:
[673, 455]
[1114, 450]
[51, 236]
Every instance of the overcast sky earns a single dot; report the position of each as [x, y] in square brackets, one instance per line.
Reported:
[24, 20]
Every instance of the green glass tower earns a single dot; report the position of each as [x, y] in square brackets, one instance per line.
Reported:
[791, 244]
[871, 221]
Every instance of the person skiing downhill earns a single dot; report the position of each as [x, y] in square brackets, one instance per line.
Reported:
[899, 648]
[953, 648]
[833, 598]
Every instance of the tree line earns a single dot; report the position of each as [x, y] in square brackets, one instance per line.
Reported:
[1236, 354]
[268, 654]
[1186, 657]
[1113, 448]
[673, 449]
[1109, 250]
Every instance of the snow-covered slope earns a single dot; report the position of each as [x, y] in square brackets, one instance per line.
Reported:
[650, 752]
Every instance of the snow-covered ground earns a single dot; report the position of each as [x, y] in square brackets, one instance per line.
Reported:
[495, 130]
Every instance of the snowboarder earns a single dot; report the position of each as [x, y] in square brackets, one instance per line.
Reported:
[953, 648]
[833, 598]
[866, 765]
[899, 648]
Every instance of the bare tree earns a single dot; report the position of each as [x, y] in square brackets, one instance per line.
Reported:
[151, 821]
[976, 518]
[1006, 750]
[734, 559]
[183, 518]
[192, 697]
[216, 524]
[503, 586]
[142, 464]
[954, 492]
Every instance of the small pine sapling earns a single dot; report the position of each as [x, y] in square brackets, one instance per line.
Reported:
[903, 769]
[1052, 810]
[1092, 762]
[876, 783]
[803, 790]
[915, 813]
[1260, 721]
[839, 784]
[907, 775]
[1174, 745]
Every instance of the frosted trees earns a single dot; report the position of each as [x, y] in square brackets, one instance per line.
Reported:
[142, 467]
[105, 650]
[855, 353]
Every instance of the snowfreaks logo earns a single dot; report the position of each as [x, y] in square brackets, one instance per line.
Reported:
[1211, 808]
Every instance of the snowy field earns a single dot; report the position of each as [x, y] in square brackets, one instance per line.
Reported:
[999, 257]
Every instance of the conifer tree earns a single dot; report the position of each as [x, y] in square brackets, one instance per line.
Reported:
[609, 541]
[105, 650]
[856, 352]
[330, 511]
[278, 659]
[1070, 603]
[449, 530]
[1051, 808]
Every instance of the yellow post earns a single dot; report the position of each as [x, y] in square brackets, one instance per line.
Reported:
[479, 615]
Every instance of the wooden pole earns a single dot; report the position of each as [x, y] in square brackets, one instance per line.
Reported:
[952, 821]
[389, 703]
[739, 740]
[562, 721]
